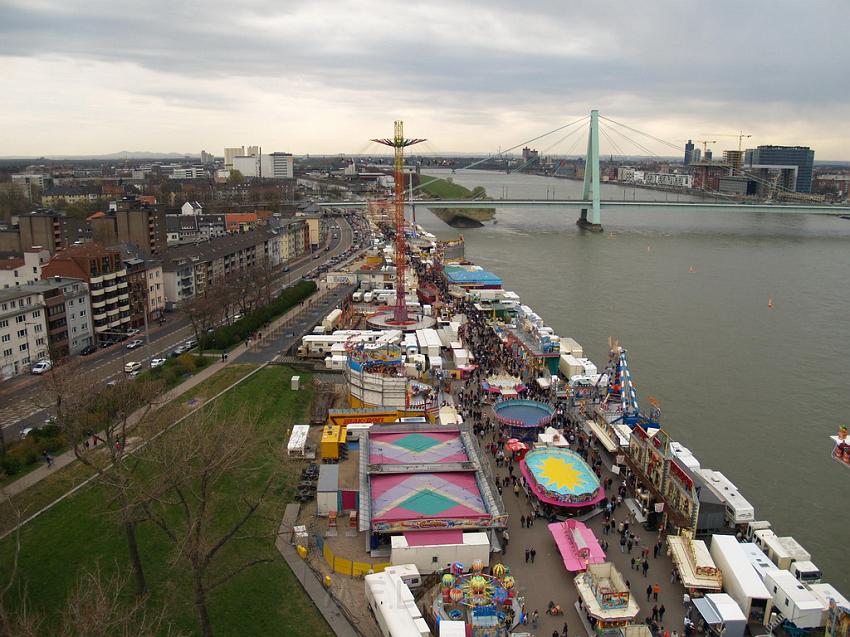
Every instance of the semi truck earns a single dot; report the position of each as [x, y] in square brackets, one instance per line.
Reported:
[740, 579]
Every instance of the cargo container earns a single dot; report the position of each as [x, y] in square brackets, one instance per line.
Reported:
[435, 556]
[569, 366]
[327, 489]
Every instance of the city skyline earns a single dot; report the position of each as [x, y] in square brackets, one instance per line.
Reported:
[471, 77]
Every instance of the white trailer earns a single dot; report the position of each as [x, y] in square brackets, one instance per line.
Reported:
[433, 557]
[740, 579]
[394, 606]
[793, 600]
[332, 320]
[782, 551]
[411, 346]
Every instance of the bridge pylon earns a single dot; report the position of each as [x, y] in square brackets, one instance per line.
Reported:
[591, 217]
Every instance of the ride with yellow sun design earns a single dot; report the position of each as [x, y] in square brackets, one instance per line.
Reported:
[560, 474]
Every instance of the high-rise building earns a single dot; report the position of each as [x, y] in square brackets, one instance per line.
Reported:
[277, 166]
[689, 152]
[708, 154]
[696, 155]
[230, 153]
[801, 157]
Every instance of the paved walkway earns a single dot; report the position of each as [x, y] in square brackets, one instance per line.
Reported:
[311, 583]
[547, 579]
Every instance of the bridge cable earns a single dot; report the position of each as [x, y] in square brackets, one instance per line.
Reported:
[502, 152]
[546, 150]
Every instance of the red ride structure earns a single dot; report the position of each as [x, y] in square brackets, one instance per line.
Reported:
[399, 143]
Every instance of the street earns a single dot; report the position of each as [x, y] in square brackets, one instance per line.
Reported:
[23, 402]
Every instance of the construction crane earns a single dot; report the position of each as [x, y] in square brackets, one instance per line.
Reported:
[705, 144]
[741, 135]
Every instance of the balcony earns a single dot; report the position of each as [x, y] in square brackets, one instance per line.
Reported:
[112, 313]
[109, 276]
[124, 307]
[98, 304]
[115, 323]
[125, 319]
[123, 297]
[111, 289]
[99, 317]
[95, 280]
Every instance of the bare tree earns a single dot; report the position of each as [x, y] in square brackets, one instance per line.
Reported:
[204, 312]
[97, 607]
[16, 619]
[190, 505]
[99, 431]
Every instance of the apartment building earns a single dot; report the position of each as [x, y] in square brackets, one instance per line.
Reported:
[17, 270]
[104, 271]
[45, 319]
[51, 229]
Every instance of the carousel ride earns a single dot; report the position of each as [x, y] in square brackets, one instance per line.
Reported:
[487, 602]
[523, 417]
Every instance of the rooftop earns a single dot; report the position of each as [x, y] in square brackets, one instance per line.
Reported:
[38, 287]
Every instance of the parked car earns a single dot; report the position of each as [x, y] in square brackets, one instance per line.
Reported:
[41, 366]
[135, 343]
[132, 366]
[132, 332]
[133, 374]
[157, 362]
[106, 343]
[191, 343]
[88, 349]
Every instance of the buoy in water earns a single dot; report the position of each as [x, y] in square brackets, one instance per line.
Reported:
[770, 302]
[692, 269]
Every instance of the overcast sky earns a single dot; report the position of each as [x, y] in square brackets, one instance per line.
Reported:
[323, 77]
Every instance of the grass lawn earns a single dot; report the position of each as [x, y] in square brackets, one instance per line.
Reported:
[443, 188]
[266, 599]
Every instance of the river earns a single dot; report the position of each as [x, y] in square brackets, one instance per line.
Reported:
[753, 391]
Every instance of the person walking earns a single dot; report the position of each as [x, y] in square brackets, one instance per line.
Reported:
[566, 630]
[648, 592]
[645, 568]
[655, 612]
[533, 553]
[522, 521]
[673, 576]
[656, 588]
[527, 554]
[661, 611]
[516, 489]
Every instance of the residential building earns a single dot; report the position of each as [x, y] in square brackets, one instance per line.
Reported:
[17, 270]
[193, 228]
[192, 208]
[44, 319]
[293, 236]
[51, 229]
[31, 184]
[103, 269]
[131, 220]
[70, 195]
[189, 270]
[207, 158]
[802, 157]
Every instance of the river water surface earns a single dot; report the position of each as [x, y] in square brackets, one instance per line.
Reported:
[753, 391]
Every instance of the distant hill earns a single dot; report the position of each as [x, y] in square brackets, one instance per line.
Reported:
[129, 154]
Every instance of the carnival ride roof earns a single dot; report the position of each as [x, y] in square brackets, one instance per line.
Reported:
[416, 448]
[426, 495]
[577, 544]
[474, 275]
[523, 413]
[561, 471]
